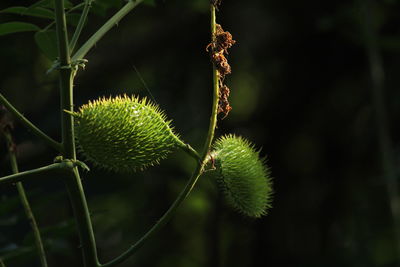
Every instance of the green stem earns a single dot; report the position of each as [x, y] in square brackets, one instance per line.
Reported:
[82, 216]
[42, 173]
[105, 28]
[213, 118]
[2, 263]
[32, 221]
[160, 223]
[72, 181]
[192, 181]
[69, 11]
[66, 82]
[36, 131]
[189, 150]
[24, 200]
[81, 23]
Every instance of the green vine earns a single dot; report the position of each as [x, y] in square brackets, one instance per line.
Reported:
[135, 130]
[22, 195]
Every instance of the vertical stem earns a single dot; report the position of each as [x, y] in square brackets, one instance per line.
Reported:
[84, 49]
[24, 200]
[66, 81]
[73, 182]
[198, 171]
[384, 139]
[25, 122]
[81, 23]
[214, 111]
[82, 217]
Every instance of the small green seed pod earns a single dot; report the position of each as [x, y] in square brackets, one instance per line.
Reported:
[242, 176]
[124, 133]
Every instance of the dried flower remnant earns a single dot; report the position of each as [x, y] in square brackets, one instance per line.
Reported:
[221, 63]
[223, 103]
[223, 39]
[221, 42]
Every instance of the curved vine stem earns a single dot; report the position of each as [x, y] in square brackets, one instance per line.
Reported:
[81, 23]
[24, 121]
[104, 29]
[214, 111]
[189, 150]
[24, 199]
[161, 222]
[67, 12]
[42, 172]
[72, 181]
[192, 181]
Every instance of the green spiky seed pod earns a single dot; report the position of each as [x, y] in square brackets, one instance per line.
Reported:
[124, 134]
[242, 176]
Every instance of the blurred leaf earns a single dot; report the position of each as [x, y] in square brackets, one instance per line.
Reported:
[20, 252]
[42, 3]
[100, 7]
[67, 4]
[391, 43]
[150, 2]
[47, 42]
[33, 12]
[62, 230]
[73, 19]
[9, 204]
[8, 221]
[109, 3]
[16, 26]
[50, 4]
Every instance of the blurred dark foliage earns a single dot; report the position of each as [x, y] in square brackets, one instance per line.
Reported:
[300, 90]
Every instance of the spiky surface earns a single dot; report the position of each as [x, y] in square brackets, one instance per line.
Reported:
[242, 176]
[124, 133]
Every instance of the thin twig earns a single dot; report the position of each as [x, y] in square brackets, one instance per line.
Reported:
[81, 23]
[67, 12]
[24, 121]
[42, 172]
[24, 199]
[104, 29]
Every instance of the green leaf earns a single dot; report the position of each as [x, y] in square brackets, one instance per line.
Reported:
[50, 4]
[67, 4]
[100, 7]
[16, 26]
[33, 12]
[21, 253]
[41, 3]
[73, 19]
[47, 42]
[150, 2]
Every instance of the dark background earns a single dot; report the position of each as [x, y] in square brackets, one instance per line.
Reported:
[301, 89]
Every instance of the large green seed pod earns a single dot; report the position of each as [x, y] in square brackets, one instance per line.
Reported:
[124, 133]
[242, 176]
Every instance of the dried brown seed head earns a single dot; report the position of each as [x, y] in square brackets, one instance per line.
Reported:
[223, 39]
[223, 103]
